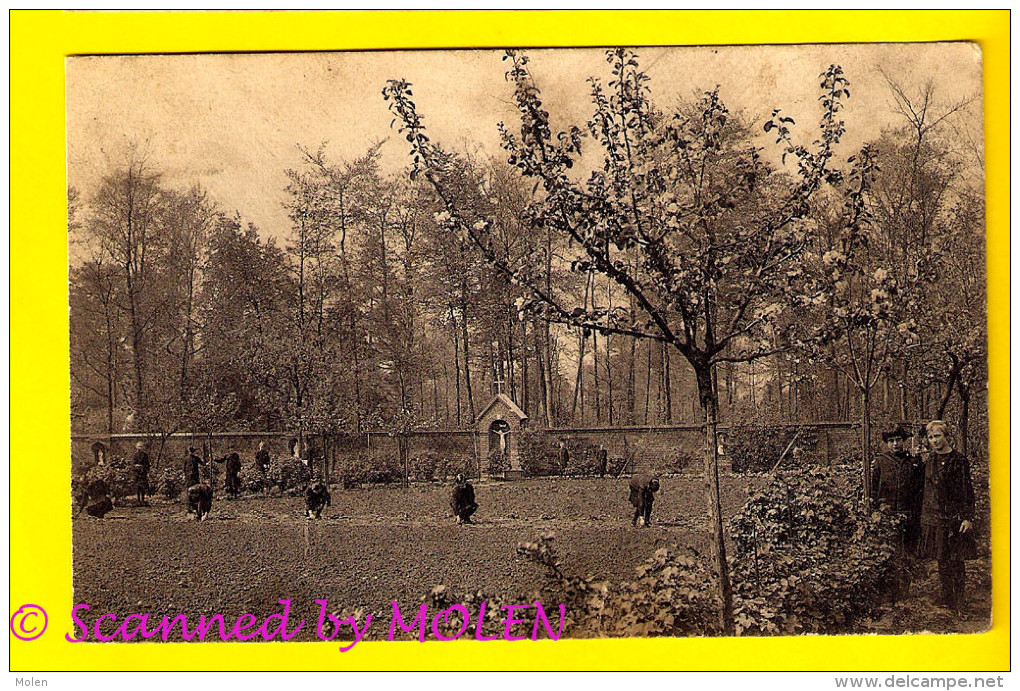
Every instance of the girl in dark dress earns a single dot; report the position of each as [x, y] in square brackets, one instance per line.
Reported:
[947, 514]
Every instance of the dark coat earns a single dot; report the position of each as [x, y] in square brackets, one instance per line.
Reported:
[317, 496]
[262, 461]
[97, 498]
[141, 466]
[642, 491]
[948, 501]
[200, 499]
[233, 466]
[463, 498]
[897, 480]
[948, 492]
[192, 476]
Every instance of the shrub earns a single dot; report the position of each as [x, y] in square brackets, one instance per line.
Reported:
[496, 463]
[808, 556]
[582, 458]
[539, 454]
[171, 483]
[448, 468]
[119, 476]
[252, 479]
[423, 466]
[618, 465]
[671, 595]
[293, 474]
[365, 469]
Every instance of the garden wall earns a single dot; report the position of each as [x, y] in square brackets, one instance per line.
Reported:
[653, 448]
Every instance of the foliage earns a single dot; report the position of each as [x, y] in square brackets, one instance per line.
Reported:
[668, 596]
[684, 214]
[294, 474]
[539, 454]
[367, 469]
[252, 479]
[171, 483]
[810, 556]
[618, 465]
[582, 458]
[423, 466]
[119, 476]
[496, 463]
[432, 466]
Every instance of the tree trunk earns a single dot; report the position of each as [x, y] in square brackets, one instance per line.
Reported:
[648, 378]
[667, 384]
[964, 391]
[595, 371]
[631, 384]
[547, 378]
[579, 380]
[866, 440]
[542, 385]
[467, 362]
[525, 389]
[456, 363]
[110, 375]
[609, 382]
[954, 374]
[708, 396]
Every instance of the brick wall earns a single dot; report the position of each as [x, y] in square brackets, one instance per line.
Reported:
[653, 447]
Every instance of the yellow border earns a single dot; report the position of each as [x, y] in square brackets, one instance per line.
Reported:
[40, 536]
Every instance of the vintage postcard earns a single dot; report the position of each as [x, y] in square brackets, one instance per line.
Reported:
[674, 341]
[375, 349]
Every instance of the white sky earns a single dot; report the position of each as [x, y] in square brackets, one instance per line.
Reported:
[232, 122]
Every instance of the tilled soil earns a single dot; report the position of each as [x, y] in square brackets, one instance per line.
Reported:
[384, 544]
[372, 547]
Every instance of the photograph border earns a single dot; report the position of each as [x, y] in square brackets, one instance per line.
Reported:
[39, 479]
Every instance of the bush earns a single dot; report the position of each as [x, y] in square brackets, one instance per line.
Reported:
[539, 454]
[671, 596]
[582, 458]
[365, 469]
[757, 448]
[618, 465]
[496, 463]
[809, 556]
[448, 468]
[171, 483]
[119, 476]
[252, 479]
[293, 474]
[424, 466]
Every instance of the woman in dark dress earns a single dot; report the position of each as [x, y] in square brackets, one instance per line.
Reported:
[947, 515]
[140, 466]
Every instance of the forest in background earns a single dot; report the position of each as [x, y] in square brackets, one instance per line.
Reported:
[379, 312]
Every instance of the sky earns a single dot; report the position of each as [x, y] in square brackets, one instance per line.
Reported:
[233, 123]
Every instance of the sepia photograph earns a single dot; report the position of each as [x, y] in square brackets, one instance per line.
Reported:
[545, 343]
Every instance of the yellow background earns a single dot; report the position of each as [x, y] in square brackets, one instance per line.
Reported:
[40, 539]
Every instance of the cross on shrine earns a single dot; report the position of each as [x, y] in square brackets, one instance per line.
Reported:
[499, 384]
